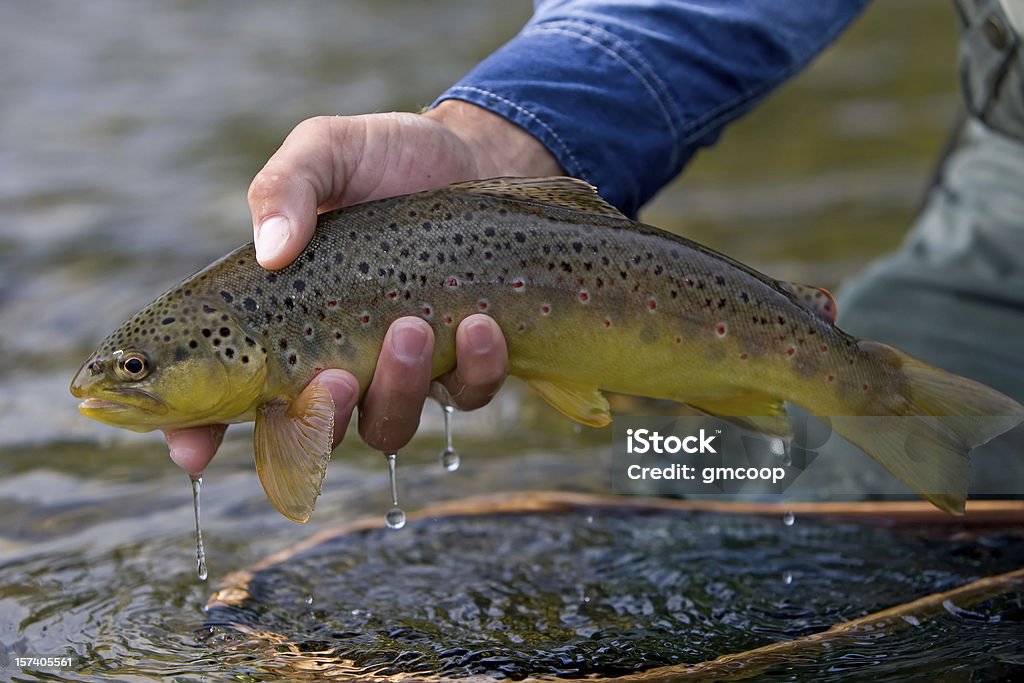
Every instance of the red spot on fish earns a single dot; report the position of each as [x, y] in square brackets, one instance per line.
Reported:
[308, 331]
[606, 322]
[317, 369]
[652, 305]
[427, 311]
[545, 309]
[790, 351]
[332, 303]
[364, 318]
[584, 296]
[338, 336]
[830, 378]
[448, 320]
[453, 282]
[518, 285]
[483, 304]
[393, 294]
[520, 327]
[864, 387]
[824, 348]
[744, 356]
[721, 329]
[679, 340]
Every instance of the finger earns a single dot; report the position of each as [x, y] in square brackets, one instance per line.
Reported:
[344, 390]
[390, 412]
[192, 449]
[481, 363]
[305, 172]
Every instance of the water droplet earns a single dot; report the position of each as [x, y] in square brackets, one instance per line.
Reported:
[449, 458]
[788, 518]
[308, 599]
[395, 518]
[787, 577]
[197, 485]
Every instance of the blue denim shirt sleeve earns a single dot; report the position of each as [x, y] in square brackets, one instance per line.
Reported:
[624, 92]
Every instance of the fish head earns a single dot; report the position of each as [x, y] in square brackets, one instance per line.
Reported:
[172, 367]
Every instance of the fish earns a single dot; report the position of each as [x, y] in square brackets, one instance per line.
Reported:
[589, 300]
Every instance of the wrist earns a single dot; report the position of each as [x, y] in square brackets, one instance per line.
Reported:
[498, 146]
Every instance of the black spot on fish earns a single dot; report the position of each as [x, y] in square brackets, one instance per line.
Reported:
[745, 297]
[224, 332]
[216, 341]
[457, 238]
[167, 321]
[209, 309]
[402, 277]
[782, 321]
[339, 257]
[364, 267]
[289, 302]
[250, 303]
[226, 296]
[520, 237]
[488, 232]
[566, 266]
[424, 256]
[193, 344]
[385, 246]
[245, 359]
[577, 247]
[299, 285]
[229, 352]
[188, 292]
[207, 332]
[283, 343]
[428, 226]
[292, 359]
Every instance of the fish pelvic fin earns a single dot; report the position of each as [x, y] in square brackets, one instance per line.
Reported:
[563, 191]
[943, 418]
[751, 410]
[584, 404]
[292, 445]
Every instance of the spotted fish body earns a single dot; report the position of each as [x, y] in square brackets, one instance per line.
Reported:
[588, 301]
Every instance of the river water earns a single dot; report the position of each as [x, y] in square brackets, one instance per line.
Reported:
[130, 132]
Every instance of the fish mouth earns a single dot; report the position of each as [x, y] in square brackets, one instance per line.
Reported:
[136, 404]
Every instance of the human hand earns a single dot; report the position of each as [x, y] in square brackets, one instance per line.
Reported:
[330, 162]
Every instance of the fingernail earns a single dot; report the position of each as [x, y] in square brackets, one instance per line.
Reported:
[480, 336]
[341, 385]
[408, 340]
[271, 237]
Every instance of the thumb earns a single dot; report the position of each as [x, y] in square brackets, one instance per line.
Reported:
[284, 196]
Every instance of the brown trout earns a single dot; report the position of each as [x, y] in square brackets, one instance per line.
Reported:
[588, 301]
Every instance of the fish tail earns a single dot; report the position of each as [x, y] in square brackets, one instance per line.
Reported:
[942, 417]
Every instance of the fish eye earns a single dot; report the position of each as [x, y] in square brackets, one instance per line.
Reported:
[133, 365]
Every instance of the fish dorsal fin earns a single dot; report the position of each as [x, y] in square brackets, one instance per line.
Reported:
[562, 191]
[292, 444]
[585, 404]
[752, 410]
[817, 300]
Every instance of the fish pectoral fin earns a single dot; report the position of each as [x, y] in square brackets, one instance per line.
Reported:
[563, 191]
[292, 445]
[585, 404]
[817, 300]
[753, 410]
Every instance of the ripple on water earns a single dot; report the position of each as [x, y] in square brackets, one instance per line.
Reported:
[594, 593]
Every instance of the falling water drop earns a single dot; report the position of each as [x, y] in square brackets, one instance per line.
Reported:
[787, 577]
[395, 517]
[788, 518]
[449, 458]
[197, 485]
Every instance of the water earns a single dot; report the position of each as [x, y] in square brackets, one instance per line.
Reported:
[197, 485]
[395, 517]
[449, 458]
[519, 595]
[130, 136]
